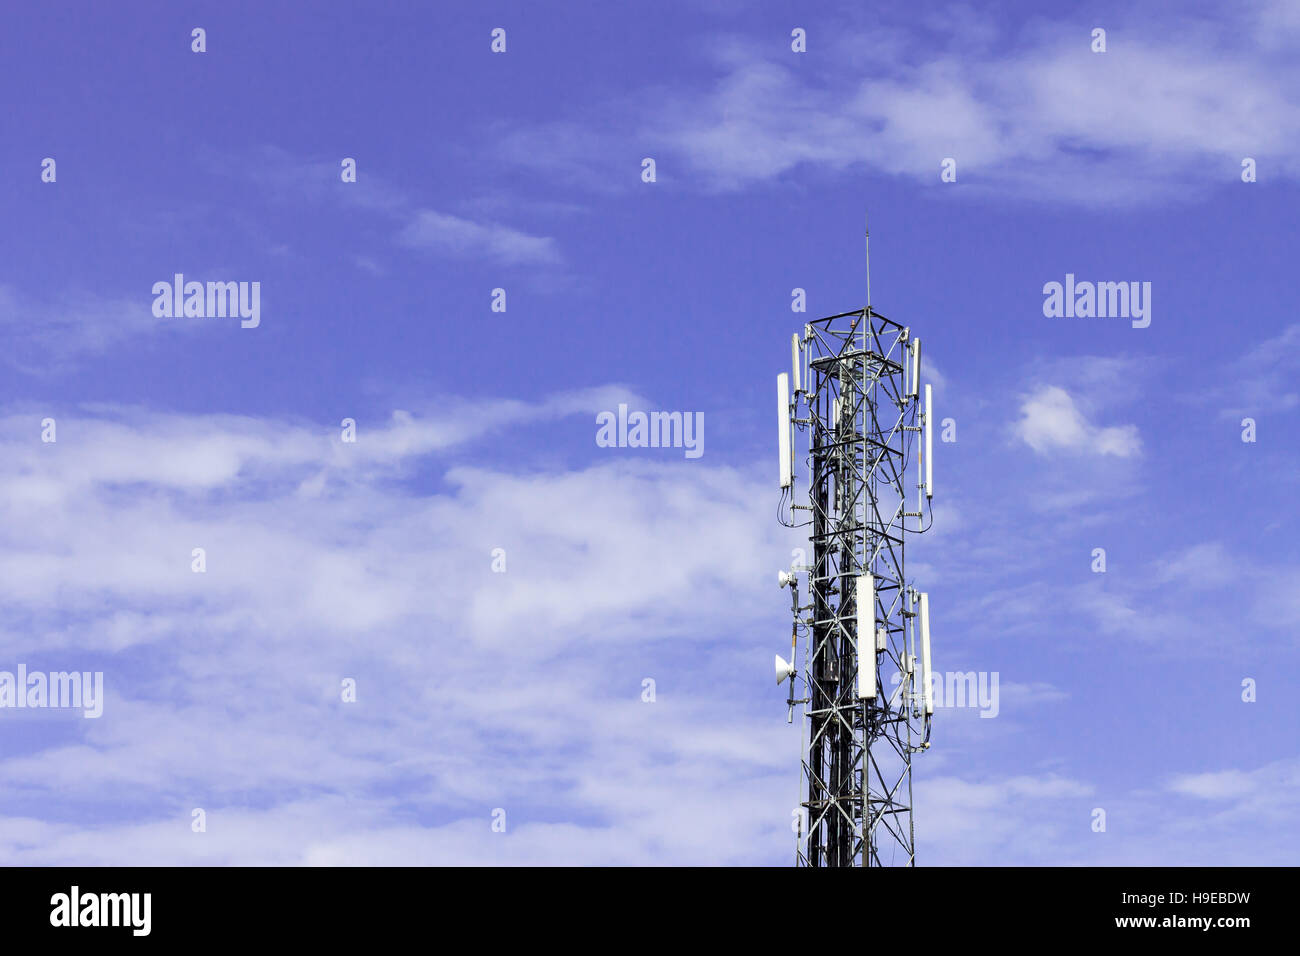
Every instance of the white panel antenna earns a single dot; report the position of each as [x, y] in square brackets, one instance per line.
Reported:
[929, 447]
[794, 363]
[783, 417]
[914, 379]
[865, 597]
[927, 694]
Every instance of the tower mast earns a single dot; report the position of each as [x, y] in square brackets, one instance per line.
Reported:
[856, 407]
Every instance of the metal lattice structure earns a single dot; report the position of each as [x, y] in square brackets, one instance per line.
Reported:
[857, 409]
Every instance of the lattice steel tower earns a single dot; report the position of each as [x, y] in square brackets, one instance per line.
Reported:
[853, 399]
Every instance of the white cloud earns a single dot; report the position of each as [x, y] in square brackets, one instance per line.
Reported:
[1050, 420]
[46, 334]
[475, 689]
[1202, 566]
[1024, 819]
[1047, 819]
[1220, 785]
[464, 238]
[284, 175]
[1048, 118]
[1170, 109]
[1263, 381]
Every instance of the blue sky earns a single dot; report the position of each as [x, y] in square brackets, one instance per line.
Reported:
[522, 690]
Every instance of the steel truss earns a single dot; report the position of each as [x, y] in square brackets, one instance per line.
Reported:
[860, 426]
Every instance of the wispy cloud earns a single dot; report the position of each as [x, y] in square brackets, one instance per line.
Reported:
[286, 176]
[1170, 109]
[1051, 421]
[1263, 381]
[48, 334]
[465, 239]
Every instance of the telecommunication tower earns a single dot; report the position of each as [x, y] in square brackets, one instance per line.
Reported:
[854, 401]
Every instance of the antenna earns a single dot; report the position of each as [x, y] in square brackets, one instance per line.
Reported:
[929, 446]
[794, 362]
[914, 349]
[857, 374]
[865, 595]
[866, 226]
[784, 669]
[927, 695]
[783, 419]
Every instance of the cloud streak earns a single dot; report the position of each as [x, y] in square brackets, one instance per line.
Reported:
[463, 238]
